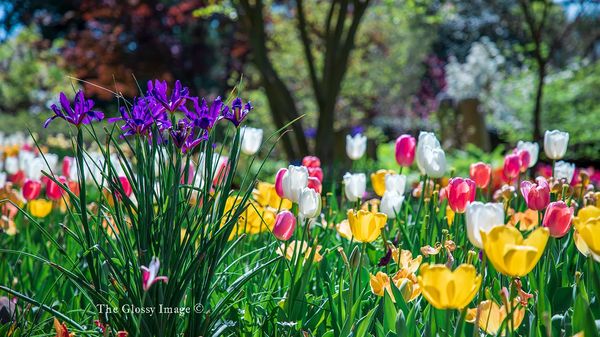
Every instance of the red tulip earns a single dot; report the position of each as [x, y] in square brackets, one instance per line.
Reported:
[125, 185]
[512, 166]
[460, 193]
[525, 158]
[558, 218]
[31, 189]
[480, 173]
[537, 196]
[74, 187]
[53, 190]
[405, 150]
[311, 161]
[17, 178]
[68, 162]
[279, 182]
[315, 184]
[315, 172]
[285, 224]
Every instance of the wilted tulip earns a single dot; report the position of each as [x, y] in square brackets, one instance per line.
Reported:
[537, 196]
[564, 170]
[512, 166]
[482, 217]
[354, 186]
[356, 146]
[558, 218]
[430, 156]
[405, 150]
[31, 189]
[251, 140]
[285, 224]
[480, 173]
[532, 148]
[311, 161]
[391, 202]
[366, 226]
[447, 289]
[555, 144]
[293, 181]
[309, 203]
[460, 193]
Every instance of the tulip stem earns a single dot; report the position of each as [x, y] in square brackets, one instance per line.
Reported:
[448, 316]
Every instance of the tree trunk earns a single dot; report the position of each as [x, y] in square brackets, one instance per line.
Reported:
[473, 128]
[537, 109]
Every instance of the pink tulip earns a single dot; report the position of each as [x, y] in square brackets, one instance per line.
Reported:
[311, 161]
[31, 189]
[460, 193]
[279, 182]
[558, 218]
[125, 185]
[285, 224]
[53, 190]
[480, 173]
[525, 158]
[405, 150]
[512, 166]
[537, 196]
[68, 162]
[315, 184]
[149, 274]
[315, 172]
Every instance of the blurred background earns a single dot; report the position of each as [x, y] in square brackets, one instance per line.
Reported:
[480, 73]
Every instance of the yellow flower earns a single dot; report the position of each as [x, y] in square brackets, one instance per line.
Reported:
[378, 181]
[527, 220]
[380, 283]
[343, 228]
[408, 284]
[446, 289]
[510, 253]
[449, 215]
[40, 208]
[405, 261]
[582, 247]
[587, 224]
[366, 226]
[265, 195]
[491, 316]
[303, 249]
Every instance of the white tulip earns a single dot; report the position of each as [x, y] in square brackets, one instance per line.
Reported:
[532, 148]
[11, 165]
[482, 217]
[430, 156]
[391, 202]
[251, 140]
[2, 179]
[309, 203]
[294, 180]
[356, 146]
[25, 157]
[555, 144]
[395, 183]
[34, 169]
[565, 170]
[355, 185]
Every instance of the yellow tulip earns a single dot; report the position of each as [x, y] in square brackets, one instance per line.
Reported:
[378, 181]
[343, 229]
[491, 316]
[583, 248]
[510, 253]
[446, 289]
[405, 260]
[380, 283]
[40, 208]
[587, 225]
[449, 216]
[303, 249]
[366, 226]
[411, 289]
[265, 195]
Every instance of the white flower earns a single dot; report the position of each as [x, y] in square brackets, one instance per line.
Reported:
[430, 156]
[565, 170]
[294, 180]
[355, 185]
[533, 149]
[11, 165]
[2, 179]
[309, 203]
[356, 146]
[34, 169]
[251, 140]
[395, 183]
[391, 202]
[555, 144]
[482, 217]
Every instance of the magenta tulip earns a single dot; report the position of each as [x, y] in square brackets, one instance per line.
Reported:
[311, 161]
[558, 218]
[537, 195]
[512, 166]
[279, 182]
[460, 193]
[525, 158]
[285, 224]
[315, 184]
[315, 172]
[405, 150]
[31, 189]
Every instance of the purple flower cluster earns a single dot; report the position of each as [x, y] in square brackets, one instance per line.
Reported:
[155, 112]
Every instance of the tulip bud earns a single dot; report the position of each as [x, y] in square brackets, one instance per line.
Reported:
[480, 173]
[555, 144]
[311, 161]
[512, 166]
[558, 218]
[532, 148]
[285, 224]
[482, 217]
[293, 181]
[279, 182]
[355, 186]
[460, 193]
[430, 156]
[564, 170]
[537, 196]
[251, 140]
[405, 150]
[355, 258]
[31, 189]
[356, 146]
[309, 203]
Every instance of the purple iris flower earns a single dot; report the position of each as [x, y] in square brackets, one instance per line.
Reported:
[202, 116]
[184, 136]
[139, 119]
[179, 94]
[80, 113]
[359, 129]
[238, 112]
